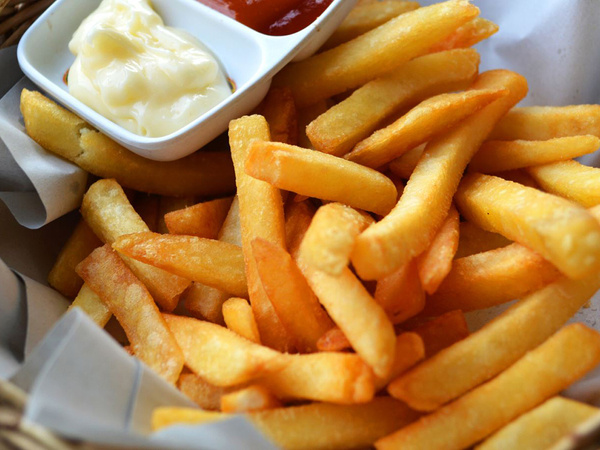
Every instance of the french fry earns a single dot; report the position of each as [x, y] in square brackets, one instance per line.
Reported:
[92, 305]
[238, 317]
[441, 332]
[409, 351]
[202, 219]
[251, 398]
[220, 356]
[62, 276]
[167, 205]
[333, 340]
[571, 180]
[296, 169]
[583, 434]
[305, 116]
[491, 278]
[279, 110]
[401, 294]
[214, 263]
[342, 126]
[330, 237]
[498, 156]
[561, 231]
[459, 368]
[352, 64]
[436, 262]
[201, 392]
[402, 235]
[109, 214]
[541, 427]
[540, 123]
[261, 216]
[428, 119]
[473, 239]
[129, 300]
[404, 165]
[296, 305]
[63, 133]
[298, 216]
[467, 35]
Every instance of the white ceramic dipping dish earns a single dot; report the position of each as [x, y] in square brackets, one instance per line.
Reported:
[249, 58]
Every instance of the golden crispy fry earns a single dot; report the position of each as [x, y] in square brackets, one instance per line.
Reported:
[401, 235]
[238, 317]
[540, 123]
[344, 125]
[459, 368]
[498, 156]
[296, 305]
[491, 278]
[401, 294]
[63, 277]
[541, 427]
[569, 179]
[63, 133]
[214, 263]
[467, 35]
[561, 231]
[109, 214]
[219, 355]
[319, 175]
[561, 360]
[261, 216]
[330, 237]
[473, 239]
[352, 64]
[333, 340]
[435, 263]
[92, 305]
[428, 119]
[404, 165]
[409, 351]
[129, 300]
[201, 392]
[279, 109]
[167, 205]
[442, 331]
[202, 219]
[251, 398]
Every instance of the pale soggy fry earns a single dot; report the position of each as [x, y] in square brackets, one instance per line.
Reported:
[251, 398]
[129, 300]
[343, 125]
[401, 294]
[354, 63]
[473, 239]
[219, 355]
[238, 317]
[467, 35]
[63, 133]
[541, 427]
[428, 119]
[561, 231]
[441, 332]
[214, 263]
[402, 234]
[201, 392]
[319, 175]
[571, 180]
[92, 305]
[554, 365]
[202, 219]
[279, 110]
[498, 156]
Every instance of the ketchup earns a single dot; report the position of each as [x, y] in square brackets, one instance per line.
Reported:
[273, 17]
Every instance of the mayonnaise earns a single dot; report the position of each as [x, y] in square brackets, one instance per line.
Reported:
[148, 78]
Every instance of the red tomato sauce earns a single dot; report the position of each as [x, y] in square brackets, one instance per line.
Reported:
[273, 17]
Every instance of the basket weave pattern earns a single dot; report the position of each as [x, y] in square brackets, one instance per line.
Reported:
[16, 16]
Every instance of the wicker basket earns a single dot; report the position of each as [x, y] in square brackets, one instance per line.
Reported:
[16, 16]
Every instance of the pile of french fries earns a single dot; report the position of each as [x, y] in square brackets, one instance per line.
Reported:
[383, 189]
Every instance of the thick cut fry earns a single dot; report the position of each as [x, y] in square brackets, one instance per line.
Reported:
[167, 205]
[354, 63]
[319, 175]
[316, 426]
[92, 305]
[330, 237]
[401, 294]
[298, 216]
[202, 219]
[238, 317]
[442, 331]
[491, 278]
[409, 351]
[540, 123]
[344, 125]
[436, 262]
[333, 340]
[279, 110]
[219, 355]
[498, 156]
[428, 119]
[129, 300]
[251, 398]
[402, 234]
[261, 216]
[214, 263]
[109, 214]
[201, 392]
[542, 427]
[61, 132]
[296, 305]
[404, 165]
[569, 179]
[561, 231]
[467, 35]
[63, 277]
[561, 360]
[305, 116]
[459, 368]
[473, 239]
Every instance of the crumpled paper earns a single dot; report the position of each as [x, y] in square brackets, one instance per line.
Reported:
[84, 385]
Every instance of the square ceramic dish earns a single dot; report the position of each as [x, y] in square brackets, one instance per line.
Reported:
[248, 57]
